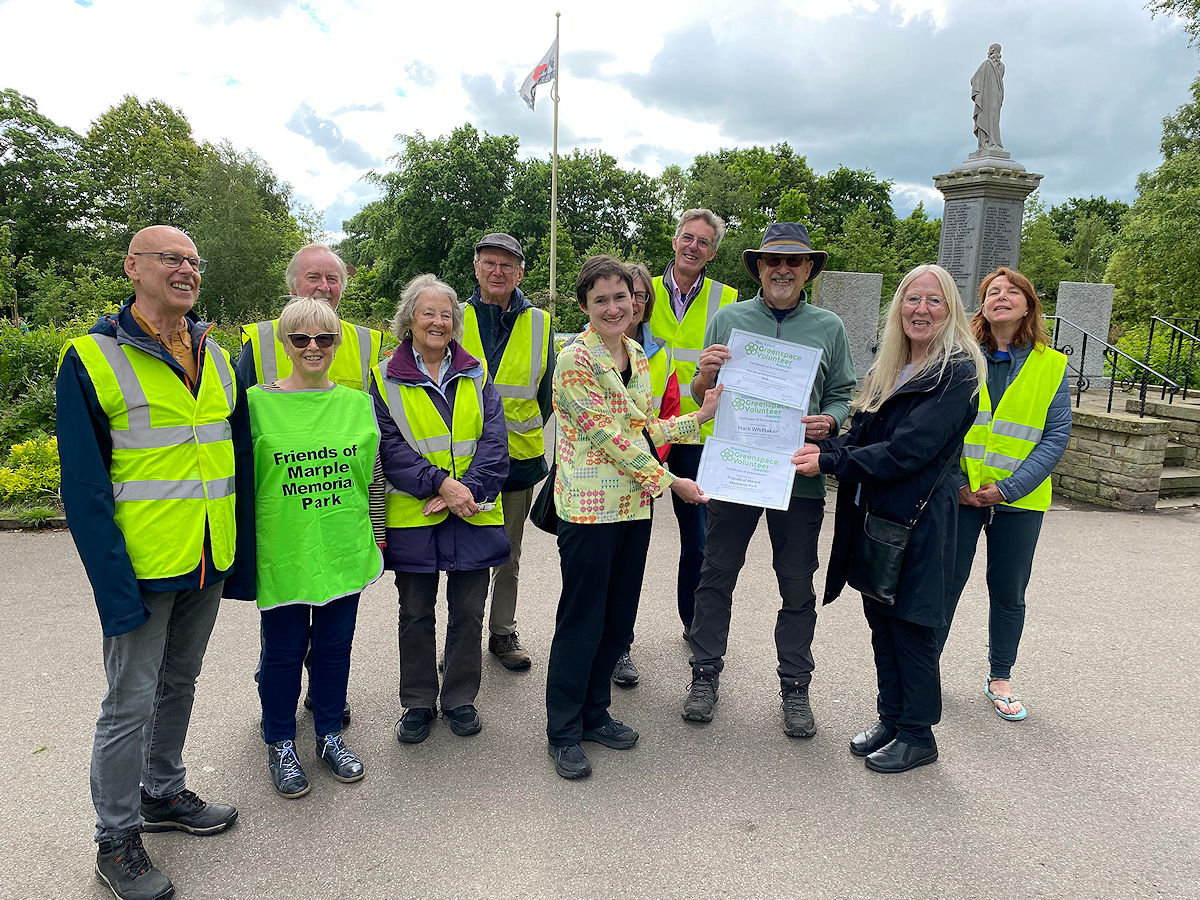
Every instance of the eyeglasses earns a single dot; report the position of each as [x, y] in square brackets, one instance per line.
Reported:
[932, 302]
[704, 243]
[174, 260]
[490, 265]
[641, 296]
[792, 262]
[300, 341]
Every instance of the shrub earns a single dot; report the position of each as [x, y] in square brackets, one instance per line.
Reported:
[32, 473]
[28, 363]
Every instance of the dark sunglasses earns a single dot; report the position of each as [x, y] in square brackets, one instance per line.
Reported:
[324, 341]
[793, 262]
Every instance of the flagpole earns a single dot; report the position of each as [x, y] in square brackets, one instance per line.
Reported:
[554, 182]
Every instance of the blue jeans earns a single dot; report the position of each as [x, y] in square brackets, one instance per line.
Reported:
[144, 715]
[684, 462]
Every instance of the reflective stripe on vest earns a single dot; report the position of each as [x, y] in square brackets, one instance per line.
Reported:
[422, 427]
[660, 371]
[518, 376]
[356, 356]
[686, 338]
[999, 441]
[172, 465]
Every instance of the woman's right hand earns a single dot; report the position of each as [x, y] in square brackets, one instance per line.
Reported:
[688, 491]
[458, 498]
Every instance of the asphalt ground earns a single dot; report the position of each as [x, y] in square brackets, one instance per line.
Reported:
[1096, 794]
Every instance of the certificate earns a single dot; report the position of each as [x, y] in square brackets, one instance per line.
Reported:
[780, 371]
[743, 474]
[742, 419]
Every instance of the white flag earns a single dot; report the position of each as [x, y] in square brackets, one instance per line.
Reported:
[542, 72]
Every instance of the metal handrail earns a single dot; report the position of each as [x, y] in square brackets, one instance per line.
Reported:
[1139, 376]
[1177, 336]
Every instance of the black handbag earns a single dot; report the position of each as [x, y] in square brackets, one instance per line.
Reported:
[878, 553]
[543, 513]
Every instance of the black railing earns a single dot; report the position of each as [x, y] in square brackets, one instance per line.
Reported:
[1122, 368]
[1182, 343]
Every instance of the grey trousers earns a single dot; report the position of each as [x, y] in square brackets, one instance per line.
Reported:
[466, 593]
[145, 713]
[503, 617]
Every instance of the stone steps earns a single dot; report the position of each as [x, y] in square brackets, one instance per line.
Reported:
[1175, 455]
[1178, 481]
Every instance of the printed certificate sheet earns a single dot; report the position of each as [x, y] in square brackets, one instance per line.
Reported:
[771, 369]
[742, 419]
[749, 475]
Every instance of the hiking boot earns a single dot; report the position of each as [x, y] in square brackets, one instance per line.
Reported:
[570, 761]
[702, 695]
[463, 720]
[413, 727]
[286, 774]
[186, 812]
[625, 673]
[797, 714]
[345, 709]
[344, 764]
[612, 734]
[123, 864]
[507, 647]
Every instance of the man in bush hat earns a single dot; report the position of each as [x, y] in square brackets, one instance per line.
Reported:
[783, 264]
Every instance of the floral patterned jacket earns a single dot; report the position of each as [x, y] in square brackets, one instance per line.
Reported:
[606, 472]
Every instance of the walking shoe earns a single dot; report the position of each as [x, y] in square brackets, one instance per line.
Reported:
[286, 774]
[509, 650]
[186, 812]
[899, 756]
[413, 727]
[344, 764]
[625, 673]
[612, 734]
[123, 864]
[570, 761]
[702, 695]
[797, 714]
[345, 709]
[463, 720]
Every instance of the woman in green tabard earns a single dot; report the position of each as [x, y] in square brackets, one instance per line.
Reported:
[315, 448]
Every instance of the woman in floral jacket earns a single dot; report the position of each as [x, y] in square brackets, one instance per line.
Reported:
[607, 478]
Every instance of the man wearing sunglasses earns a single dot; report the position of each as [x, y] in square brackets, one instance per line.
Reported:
[685, 301]
[513, 337]
[157, 482]
[783, 264]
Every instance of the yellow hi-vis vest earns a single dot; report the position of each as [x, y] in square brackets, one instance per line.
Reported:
[1000, 440]
[357, 355]
[660, 371]
[517, 377]
[686, 338]
[172, 454]
[452, 450]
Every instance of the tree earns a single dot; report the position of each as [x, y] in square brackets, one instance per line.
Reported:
[864, 246]
[841, 192]
[915, 241]
[1066, 216]
[1182, 131]
[1043, 258]
[744, 186]
[1187, 10]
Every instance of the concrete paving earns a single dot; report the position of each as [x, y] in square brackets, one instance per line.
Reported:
[1096, 794]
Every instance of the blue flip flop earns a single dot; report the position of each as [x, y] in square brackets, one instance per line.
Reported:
[1007, 701]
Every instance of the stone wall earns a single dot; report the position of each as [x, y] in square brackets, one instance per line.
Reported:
[1112, 459]
[855, 297]
[1183, 418]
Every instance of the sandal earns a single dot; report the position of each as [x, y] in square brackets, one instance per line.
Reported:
[1007, 701]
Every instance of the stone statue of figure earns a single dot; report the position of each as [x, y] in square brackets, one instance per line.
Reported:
[987, 90]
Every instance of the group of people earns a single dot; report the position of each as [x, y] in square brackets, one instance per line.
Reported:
[294, 478]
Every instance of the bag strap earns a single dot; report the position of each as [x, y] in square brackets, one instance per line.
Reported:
[921, 506]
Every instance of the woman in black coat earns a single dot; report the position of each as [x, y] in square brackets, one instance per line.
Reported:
[916, 405]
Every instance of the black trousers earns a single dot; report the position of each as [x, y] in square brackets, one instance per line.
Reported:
[793, 533]
[602, 568]
[910, 681]
[684, 462]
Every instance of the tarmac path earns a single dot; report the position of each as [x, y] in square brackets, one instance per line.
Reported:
[1096, 794]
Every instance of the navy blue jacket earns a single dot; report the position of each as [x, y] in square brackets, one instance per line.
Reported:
[85, 454]
[452, 545]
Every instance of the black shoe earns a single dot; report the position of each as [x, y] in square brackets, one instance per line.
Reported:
[186, 812]
[344, 764]
[463, 720]
[898, 756]
[308, 706]
[123, 864]
[625, 673]
[286, 774]
[612, 734]
[570, 761]
[797, 713]
[413, 727]
[867, 742]
[702, 695]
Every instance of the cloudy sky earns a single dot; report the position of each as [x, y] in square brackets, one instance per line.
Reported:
[322, 88]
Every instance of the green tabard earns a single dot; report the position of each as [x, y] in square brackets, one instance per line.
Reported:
[314, 457]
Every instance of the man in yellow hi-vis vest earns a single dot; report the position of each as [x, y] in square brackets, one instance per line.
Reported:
[157, 483]
[686, 299]
[515, 340]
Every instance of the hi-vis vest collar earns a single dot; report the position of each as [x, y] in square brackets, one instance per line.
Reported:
[267, 347]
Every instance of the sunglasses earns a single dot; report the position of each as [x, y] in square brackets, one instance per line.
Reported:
[324, 341]
[792, 262]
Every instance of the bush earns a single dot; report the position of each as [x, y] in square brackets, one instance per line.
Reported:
[32, 473]
[1133, 341]
[28, 364]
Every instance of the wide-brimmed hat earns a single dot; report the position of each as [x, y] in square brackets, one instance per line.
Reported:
[501, 241]
[786, 238]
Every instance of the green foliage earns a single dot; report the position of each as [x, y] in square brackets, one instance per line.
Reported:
[744, 186]
[77, 299]
[362, 302]
[1181, 132]
[727, 266]
[28, 363]
[838, 194]
[1134, 340]
[31, 474]
[1043, 256]
[915, 242]
[1187, 10]
[864, 246]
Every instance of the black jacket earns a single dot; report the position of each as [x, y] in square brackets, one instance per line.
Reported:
[896, 455]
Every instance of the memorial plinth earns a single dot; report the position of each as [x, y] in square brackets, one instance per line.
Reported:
[981, 222]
